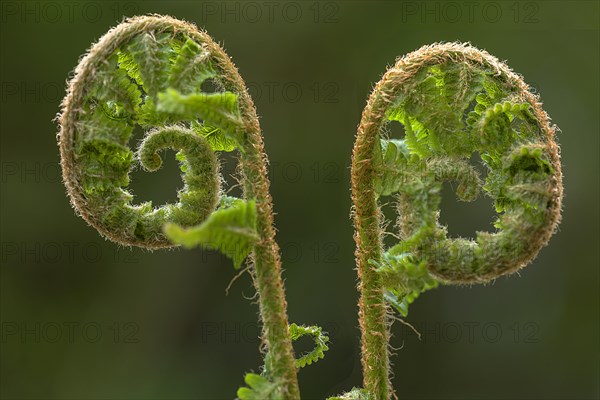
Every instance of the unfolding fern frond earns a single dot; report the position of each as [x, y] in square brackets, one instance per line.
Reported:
[453, 101]
[149, 73]
[149, 78]
[439, 140]
[320, 339]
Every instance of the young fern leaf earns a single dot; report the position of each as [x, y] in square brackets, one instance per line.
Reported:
[216, 138]
[231, 229]
[218, 109]
[116, 92]
[260, 388]
[150, 50]
[392, 157]
[320, 339]
[148, 73]
[190, 68]
[430, 92]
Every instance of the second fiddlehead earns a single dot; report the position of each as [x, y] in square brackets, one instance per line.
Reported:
[148, 73]
[453, 100]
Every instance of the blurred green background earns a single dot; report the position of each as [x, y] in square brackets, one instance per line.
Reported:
[85, 319]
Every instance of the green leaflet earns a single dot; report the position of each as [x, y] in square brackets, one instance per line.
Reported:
[130, 66]
[260, 388]
[391, 166]
[458, 170]
[106, 165]
[190, 68]
[230, 229]
[150, 51]
[217, 109]
[297, 331]
[354, 394]
[117, 93]
[460, 85]
[215, 136]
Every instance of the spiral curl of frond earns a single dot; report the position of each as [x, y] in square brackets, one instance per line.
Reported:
[145, 73]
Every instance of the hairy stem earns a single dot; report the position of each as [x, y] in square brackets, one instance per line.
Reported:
[372, 308]
[267, 261]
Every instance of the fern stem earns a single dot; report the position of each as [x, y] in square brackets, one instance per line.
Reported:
[267, 261]
[372, 308]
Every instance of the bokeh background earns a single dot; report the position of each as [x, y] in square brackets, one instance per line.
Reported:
[85, 319]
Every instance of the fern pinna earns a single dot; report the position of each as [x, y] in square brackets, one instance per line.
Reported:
[148, 72]
[453, 100]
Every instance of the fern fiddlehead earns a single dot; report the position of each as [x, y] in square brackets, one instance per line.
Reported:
[148, 72]
[431, 93]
